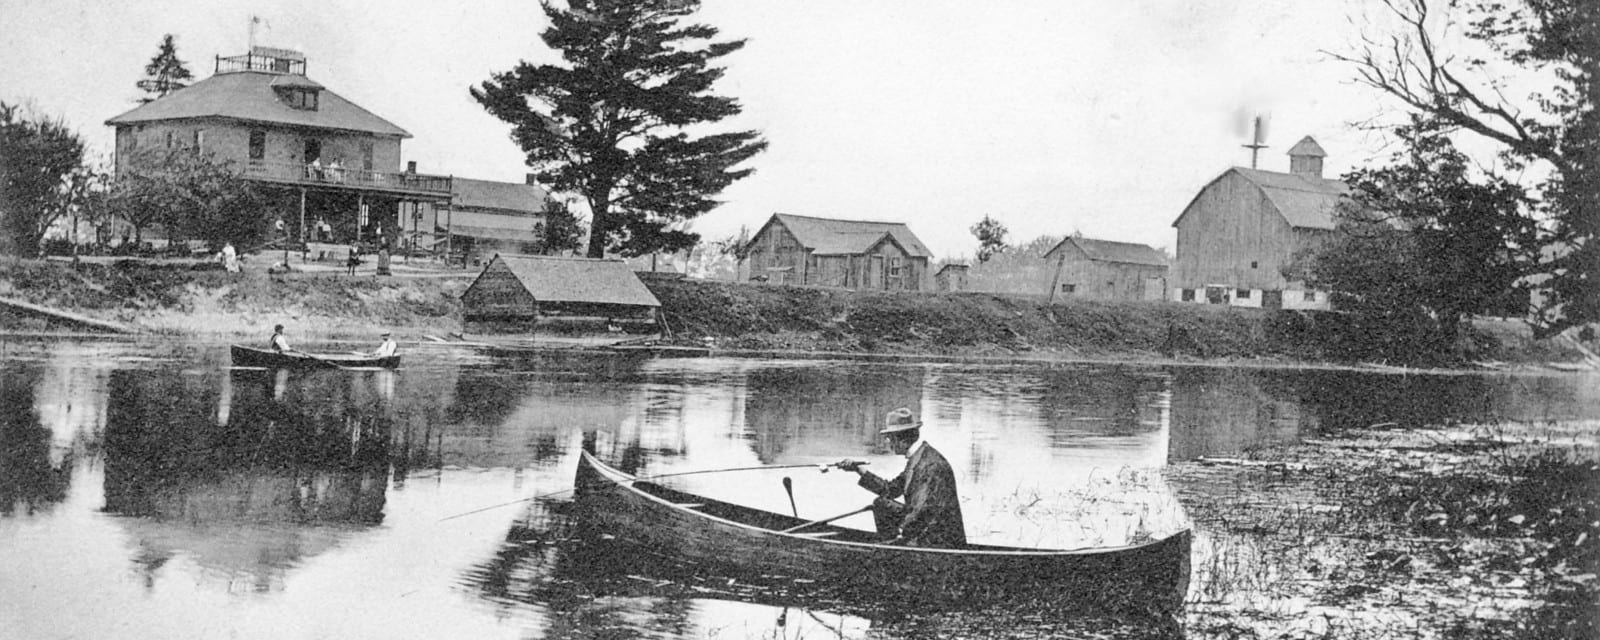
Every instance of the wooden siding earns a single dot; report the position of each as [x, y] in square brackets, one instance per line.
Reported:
[1232, 235]
[778, 255]
[1101, 280]
[497, 292]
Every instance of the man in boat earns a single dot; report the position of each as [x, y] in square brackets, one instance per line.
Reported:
[280, 344]
[931, 513]
[387, 348]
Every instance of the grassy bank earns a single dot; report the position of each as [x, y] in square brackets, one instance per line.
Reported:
[180, 299]
[779, 318]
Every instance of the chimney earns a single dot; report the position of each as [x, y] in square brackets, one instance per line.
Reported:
[530, 180]
[1305, 158]
[411, 166]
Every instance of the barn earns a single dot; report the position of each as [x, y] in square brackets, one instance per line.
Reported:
[1240, 232]
[517, 295]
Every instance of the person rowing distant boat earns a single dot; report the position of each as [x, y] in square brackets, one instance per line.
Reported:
[280, 343]
[387, 348]
[931, 513]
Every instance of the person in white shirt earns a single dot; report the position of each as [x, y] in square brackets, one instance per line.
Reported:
[280, 344]
[387, 348]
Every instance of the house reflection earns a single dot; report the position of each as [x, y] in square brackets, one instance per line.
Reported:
[300, 463]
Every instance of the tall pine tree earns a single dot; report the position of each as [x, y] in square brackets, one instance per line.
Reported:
[611, 123]
[165, 73]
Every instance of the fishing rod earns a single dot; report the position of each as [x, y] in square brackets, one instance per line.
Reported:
[822, 467]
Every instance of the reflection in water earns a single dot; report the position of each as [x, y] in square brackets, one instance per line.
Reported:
[298, 464]
[298, 485]
[29, 479]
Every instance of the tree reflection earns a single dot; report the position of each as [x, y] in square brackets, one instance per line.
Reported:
[298, 464]
[28, 480]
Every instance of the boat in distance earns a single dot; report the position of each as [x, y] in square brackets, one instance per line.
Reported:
[1149, 579]
[252, 357]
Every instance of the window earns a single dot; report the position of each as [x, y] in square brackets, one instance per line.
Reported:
[1243, 294]
[199, 140]
[366, 155]
[299, 98]
[1188, 295]
[1253, 264]
[894, 266]
[258, 145]
[1068, 288]
[172, 139]
[1311, 296]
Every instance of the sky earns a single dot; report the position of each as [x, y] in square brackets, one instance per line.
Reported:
[1102, 117]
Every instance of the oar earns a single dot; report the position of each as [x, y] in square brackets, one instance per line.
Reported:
[826, 520]
[788, 487]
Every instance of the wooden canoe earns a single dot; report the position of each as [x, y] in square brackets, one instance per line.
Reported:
[251, 357]
[690, 530]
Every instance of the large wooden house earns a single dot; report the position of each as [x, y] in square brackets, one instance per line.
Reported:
[1244, 227]
[853, 254]
[320, 155]
[1106, 270]
[522, 295]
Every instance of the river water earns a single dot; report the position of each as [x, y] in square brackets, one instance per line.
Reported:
[149, 490]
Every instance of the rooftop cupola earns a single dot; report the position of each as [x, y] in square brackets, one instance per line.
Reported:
[1305, 158]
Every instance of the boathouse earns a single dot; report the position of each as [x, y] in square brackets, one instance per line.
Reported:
[519, 295]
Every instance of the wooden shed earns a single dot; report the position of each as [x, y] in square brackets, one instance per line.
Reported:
[516, 295]
[1106, 270]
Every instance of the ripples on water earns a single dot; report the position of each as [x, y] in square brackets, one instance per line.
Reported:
[148, 490]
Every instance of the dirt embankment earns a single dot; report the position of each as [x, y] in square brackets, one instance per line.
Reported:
[752, 317]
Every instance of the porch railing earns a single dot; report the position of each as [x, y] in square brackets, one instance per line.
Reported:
[338, 176]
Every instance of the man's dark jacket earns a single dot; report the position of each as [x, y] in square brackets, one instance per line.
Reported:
[931, 516]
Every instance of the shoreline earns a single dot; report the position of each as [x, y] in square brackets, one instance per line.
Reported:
[749, 320]
[414, 340]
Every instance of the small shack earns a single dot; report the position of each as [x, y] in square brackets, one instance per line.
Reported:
[1091, 269]
[516, 295]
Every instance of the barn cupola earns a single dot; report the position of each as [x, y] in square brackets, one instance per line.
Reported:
[1305, 158]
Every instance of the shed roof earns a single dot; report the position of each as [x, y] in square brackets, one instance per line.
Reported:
[1113, 251]
[507, 196]
[559, 279]
[249, 95]
[831, 236]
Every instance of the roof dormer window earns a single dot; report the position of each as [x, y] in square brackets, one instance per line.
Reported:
[304, 98]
